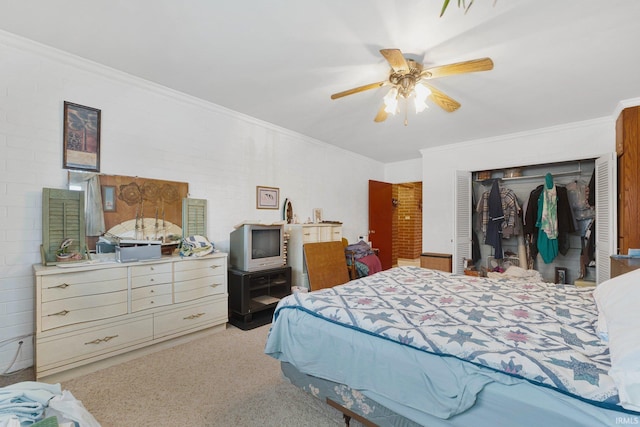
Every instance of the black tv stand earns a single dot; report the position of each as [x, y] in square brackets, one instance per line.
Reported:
[253, 295]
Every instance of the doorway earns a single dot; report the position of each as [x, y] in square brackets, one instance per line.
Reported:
[395, 222]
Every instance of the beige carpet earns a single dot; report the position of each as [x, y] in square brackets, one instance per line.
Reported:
[224, 379]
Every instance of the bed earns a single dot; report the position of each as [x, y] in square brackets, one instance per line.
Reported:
[412, 346]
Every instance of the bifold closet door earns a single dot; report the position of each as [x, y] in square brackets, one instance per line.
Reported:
[606, 214]
[462, 232]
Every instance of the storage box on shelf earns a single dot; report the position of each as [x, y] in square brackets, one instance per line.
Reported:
[86, 315]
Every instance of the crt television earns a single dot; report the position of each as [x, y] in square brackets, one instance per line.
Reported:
[256, 247]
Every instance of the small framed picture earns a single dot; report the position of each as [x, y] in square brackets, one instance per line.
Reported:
[267, 197]
[81, 138]
[561, 275]
[317, 215]
[108, 198]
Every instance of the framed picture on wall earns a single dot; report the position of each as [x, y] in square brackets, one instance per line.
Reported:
[317, 215]
[267, 197]
[561, 275]
[81, 137]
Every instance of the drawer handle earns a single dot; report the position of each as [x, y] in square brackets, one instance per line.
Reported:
[152, 269]
[60, 313]
[63, 286]
[193, 316]
[99, 340]
[214, 266]
[215, 285]
[152, 280]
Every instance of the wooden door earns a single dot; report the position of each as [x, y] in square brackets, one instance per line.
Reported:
[381, 221]
[627, 147]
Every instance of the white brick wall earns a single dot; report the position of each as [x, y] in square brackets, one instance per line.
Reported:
[152, 132]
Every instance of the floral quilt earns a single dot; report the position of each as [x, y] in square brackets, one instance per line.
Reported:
[541, 332]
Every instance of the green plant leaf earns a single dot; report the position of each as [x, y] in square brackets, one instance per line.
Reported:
[444, 7]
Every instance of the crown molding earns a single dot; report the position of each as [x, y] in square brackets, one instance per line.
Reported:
[20, 43]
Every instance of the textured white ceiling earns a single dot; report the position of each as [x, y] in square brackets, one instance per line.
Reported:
[555, 61]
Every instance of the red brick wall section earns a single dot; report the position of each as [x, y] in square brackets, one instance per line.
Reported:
[409, 220]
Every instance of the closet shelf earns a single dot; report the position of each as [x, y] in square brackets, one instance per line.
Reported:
[528, 177]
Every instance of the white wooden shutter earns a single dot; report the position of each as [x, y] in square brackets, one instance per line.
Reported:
[62, 218]
[463, 213]
[194, 217]
[606, 212]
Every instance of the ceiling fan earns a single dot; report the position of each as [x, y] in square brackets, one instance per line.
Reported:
[408, 78]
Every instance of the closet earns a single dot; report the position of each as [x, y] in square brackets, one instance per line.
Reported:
[578, 257]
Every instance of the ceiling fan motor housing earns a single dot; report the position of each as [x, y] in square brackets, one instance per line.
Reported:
[406, 81]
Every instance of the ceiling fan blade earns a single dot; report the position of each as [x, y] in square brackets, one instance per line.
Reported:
[382, 115]
[482, 64]
[443, 100]
[357, 89]
[395, 58]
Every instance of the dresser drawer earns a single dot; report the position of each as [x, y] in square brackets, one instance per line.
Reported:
[60, 286]
[99, 275]
[188, 290]
[310, 235]
[144, 270]
[336, 234]
[150, 279]
[57, 313]
[150, 297]
[185, 269]
[151, 291]
[194, 317]
[150, 302]
[330, 234]
[67, 348]
[199, 273]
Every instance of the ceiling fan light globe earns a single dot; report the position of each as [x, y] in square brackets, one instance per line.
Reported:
[422, 92]
[391, 101]
[420, 105]
[392, 107]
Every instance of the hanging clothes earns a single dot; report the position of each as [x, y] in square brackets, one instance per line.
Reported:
[591, 193]
[495, 220]
[578, 199]
[512, 224]
[566, 222]
[547, 222]
[476, 254]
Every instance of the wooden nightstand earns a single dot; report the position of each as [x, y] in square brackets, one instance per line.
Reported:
[436, 261]
[623, 265]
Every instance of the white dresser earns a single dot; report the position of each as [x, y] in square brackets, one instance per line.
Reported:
[88, 314]
[299, 234]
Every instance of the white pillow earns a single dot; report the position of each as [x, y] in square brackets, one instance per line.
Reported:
[618, 302]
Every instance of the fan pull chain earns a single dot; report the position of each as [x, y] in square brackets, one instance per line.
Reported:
[406, 108]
